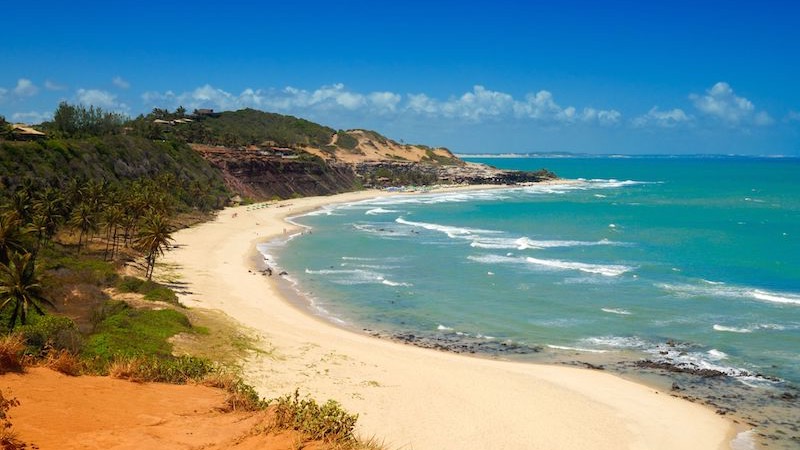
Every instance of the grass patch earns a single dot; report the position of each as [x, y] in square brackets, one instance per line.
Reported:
[151, 290]
[77, 269]
[175, 370]
[123, 331]
[217, 337]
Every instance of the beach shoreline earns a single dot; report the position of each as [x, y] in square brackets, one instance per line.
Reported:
[410, 396]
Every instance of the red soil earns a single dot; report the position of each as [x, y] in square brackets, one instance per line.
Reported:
[61, 412]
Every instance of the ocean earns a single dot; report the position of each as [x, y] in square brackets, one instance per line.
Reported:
[689, 263]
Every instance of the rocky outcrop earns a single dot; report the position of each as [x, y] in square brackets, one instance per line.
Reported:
[391, 173]
[259, 176]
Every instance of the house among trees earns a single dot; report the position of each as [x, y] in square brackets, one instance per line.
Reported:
[271, 148]
[172, 122]
[22, 132]
[205, 113]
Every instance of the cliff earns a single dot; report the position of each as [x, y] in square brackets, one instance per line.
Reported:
[260, 175]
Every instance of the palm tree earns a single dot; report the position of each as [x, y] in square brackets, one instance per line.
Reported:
[47, 217]
[84, 218]
[20, 288]
[21, 204]
[113, 217]
[155, 234]
[11, 236]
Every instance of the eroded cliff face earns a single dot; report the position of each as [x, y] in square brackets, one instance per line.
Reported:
[262, 177]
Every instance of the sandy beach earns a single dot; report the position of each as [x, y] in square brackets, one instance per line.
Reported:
[411, 397]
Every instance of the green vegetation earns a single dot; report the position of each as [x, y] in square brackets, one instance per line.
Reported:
[113, 161]
[375, 136]
[51, 332]
[328, 422]
[386, 176]
[20, 290]
[177, 370]
[129, 332]
[102, 192]
[155, 234]
[80, 121]
[151, 290]
[431, 156]
[233, 128]
[346, 141]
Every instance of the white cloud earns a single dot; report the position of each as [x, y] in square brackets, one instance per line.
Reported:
[602, 116]
[103, 99]
[421, 104]
[31, 117]
[121, 82]
[792, 116]
[474, 106]
[25, 88]
[3, 94]
[478, 104]
[721, 102]
[663, 119]
[288, 99]
[53, 86]
[483, 103]
[387, 101]
[542, 106]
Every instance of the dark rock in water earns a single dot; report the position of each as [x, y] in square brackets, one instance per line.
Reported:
[670, 367]
[586, 365]
[455, 343]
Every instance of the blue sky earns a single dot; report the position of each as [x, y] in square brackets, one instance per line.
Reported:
[501, 76]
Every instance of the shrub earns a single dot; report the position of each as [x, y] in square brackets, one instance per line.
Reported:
[241, 396]
[346, 140]
[51, 332]
[328, 422]
[11, 347]
[64, 362]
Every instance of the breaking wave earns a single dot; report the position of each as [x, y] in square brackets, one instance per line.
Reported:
[714, 289]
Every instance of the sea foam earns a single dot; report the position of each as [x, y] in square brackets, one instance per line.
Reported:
[621, 312]
[721, 290]
[600, 269]
[376, 211]
[607, 270]
[355, 276]
[718, 327]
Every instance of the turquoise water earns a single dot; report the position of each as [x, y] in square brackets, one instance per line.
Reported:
[690, 261]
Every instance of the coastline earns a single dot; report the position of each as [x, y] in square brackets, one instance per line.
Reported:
[409, 396]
